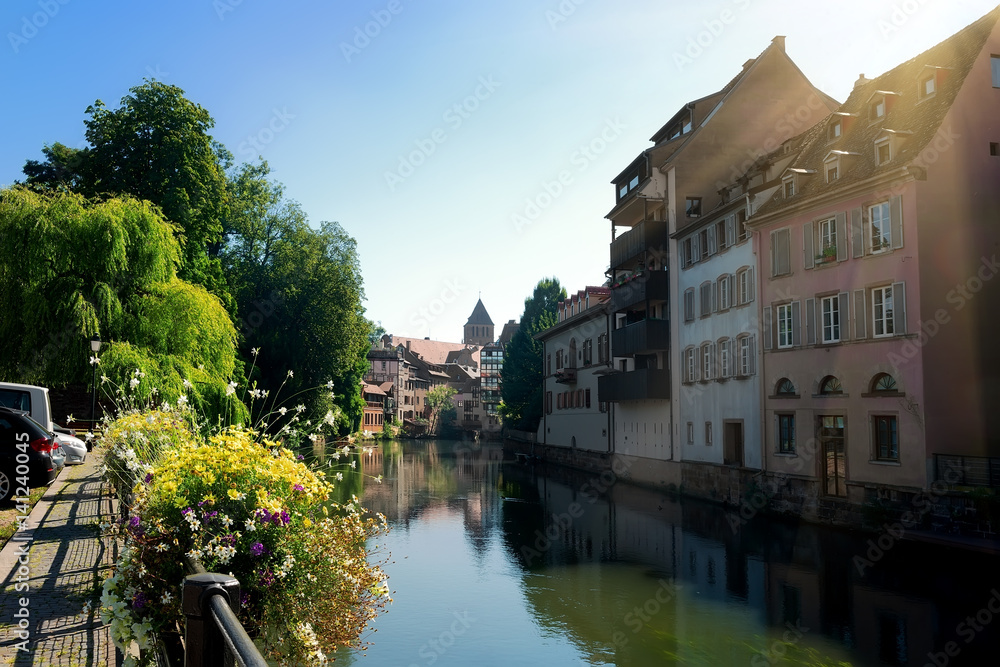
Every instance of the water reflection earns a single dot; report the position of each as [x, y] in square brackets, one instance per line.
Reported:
[499, 563]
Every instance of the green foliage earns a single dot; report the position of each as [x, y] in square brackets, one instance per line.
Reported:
[67, 268]
[439, 398]
[523, 376]
[61, 168]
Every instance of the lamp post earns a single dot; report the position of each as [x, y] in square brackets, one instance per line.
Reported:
[95, 346]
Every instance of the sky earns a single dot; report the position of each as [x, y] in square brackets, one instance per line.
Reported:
[436, 131]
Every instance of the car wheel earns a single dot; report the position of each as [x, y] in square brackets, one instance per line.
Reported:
[6, 486]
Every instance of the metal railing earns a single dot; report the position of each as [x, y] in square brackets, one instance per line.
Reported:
[967, 470]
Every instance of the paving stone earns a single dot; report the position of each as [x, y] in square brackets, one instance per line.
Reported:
[68, 562]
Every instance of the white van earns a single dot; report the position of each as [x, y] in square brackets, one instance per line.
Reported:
[35, 401]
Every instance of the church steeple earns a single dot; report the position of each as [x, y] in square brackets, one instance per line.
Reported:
[479, 328]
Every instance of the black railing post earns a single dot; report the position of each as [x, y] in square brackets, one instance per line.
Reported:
[204, 644]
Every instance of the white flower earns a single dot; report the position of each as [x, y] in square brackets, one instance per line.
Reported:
[94, 361]
[354, 465]
[291, 373]
[329, 385]
[69, 418]
[250, 525]
[133, 383]
[255, 351]
[282, 411]
[167, 597]
[300, 408]
[104, 378]
[378, 480]
[187, 383]
[231, 388]
[340, 476]
[182, 401]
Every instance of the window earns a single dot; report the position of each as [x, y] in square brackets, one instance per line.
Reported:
[880, 227]
[559, 360]
[927, 86]
[548, 364]
[885, 438]
[588, 351]
[626, 186]
[784, 387]
[833, 131]
[721, 238]
[693, 207]
[383, 365]
[831, 173]
[995, 68]
[876, 109]
[689, 304]
[746, 356]
[882, 151]
[708, 433]
[831, 318]
[706, 361]
[687, 252]
[742, 233]
[548, 402]
[706, 299]
[784, 316]
[830, 385]
[689, 367]
[690, 433]
[994, 149]
[786, 433]
[827, 240]
[725, 287]
[781, 263]
[587, 398]
[723, 348]
[744, 286]
[788, 186]
[883, 383]
[882, 313]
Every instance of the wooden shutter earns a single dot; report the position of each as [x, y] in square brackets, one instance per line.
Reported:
[751, 286]
[780, 249]
[712, 245]
[766, 326]
[730, 231]
[752, 355]
[896, 221]
[860, 311]
[808, 234]
[898, 308]
[841, 237]
[796, 323]
[857, 233]
[810, 321]
[715, 297]
[844, 299]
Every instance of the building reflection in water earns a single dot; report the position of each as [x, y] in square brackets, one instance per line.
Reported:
[597, 558]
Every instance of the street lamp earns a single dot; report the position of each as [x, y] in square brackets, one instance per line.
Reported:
[95, 346]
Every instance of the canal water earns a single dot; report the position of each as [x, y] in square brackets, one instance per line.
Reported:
[495, 562]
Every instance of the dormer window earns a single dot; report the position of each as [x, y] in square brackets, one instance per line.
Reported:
[693, 207]
[834, 130]
[928, 85]
[831, 167]
[876, 109]
[883, 151]
[880, 104]
[788, 186]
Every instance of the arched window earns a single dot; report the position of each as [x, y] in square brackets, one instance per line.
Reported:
[784, 387]
[883, 383]
[830, 385]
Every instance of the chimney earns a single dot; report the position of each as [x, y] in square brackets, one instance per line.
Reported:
[407, 346]
[779, 41]
[861, 80]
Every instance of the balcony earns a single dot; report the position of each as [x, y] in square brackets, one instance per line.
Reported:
[643, 337]
[566, 376]
[647, 383]
[652, 285]
[647, 235]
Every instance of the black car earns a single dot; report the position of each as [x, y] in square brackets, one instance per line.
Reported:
[28, 454]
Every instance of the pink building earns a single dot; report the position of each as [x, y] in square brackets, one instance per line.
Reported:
[876, 254]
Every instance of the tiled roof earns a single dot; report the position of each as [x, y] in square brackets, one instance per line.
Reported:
[914, 121]
[479, 315]
[431, 351]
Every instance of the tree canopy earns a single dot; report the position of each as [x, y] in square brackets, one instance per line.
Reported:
[523, 375]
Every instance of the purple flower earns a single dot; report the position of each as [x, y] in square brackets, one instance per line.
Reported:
[134, 522]
[208, 516]
[185, 511]
[285, 517]
[257, 549]
[298, 487]
[139, 601]
[300, 458]
[149, 478]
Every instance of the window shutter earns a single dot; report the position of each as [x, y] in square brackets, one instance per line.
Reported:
[774, 254]
[730, 231]
[768, 343]
[857, 233]
[808, 258]
[896, 221]
[751, 285]
[695, 249]
[898, 308]
[781, 262]
[810, 321]
[714, 289]
[841, 236]
[859, 314]
[713, 362]
[713, 246]
[844, 299]
[796, 323]
[752, 353]
[733, 369]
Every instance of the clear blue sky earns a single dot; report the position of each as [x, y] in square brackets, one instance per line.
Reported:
[334, 110]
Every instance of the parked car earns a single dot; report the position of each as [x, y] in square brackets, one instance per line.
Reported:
[75, 448]
[28, 453]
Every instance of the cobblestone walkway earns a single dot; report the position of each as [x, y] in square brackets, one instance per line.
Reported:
[68, 562]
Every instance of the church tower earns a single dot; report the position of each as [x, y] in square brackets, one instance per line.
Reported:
[479, 328]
